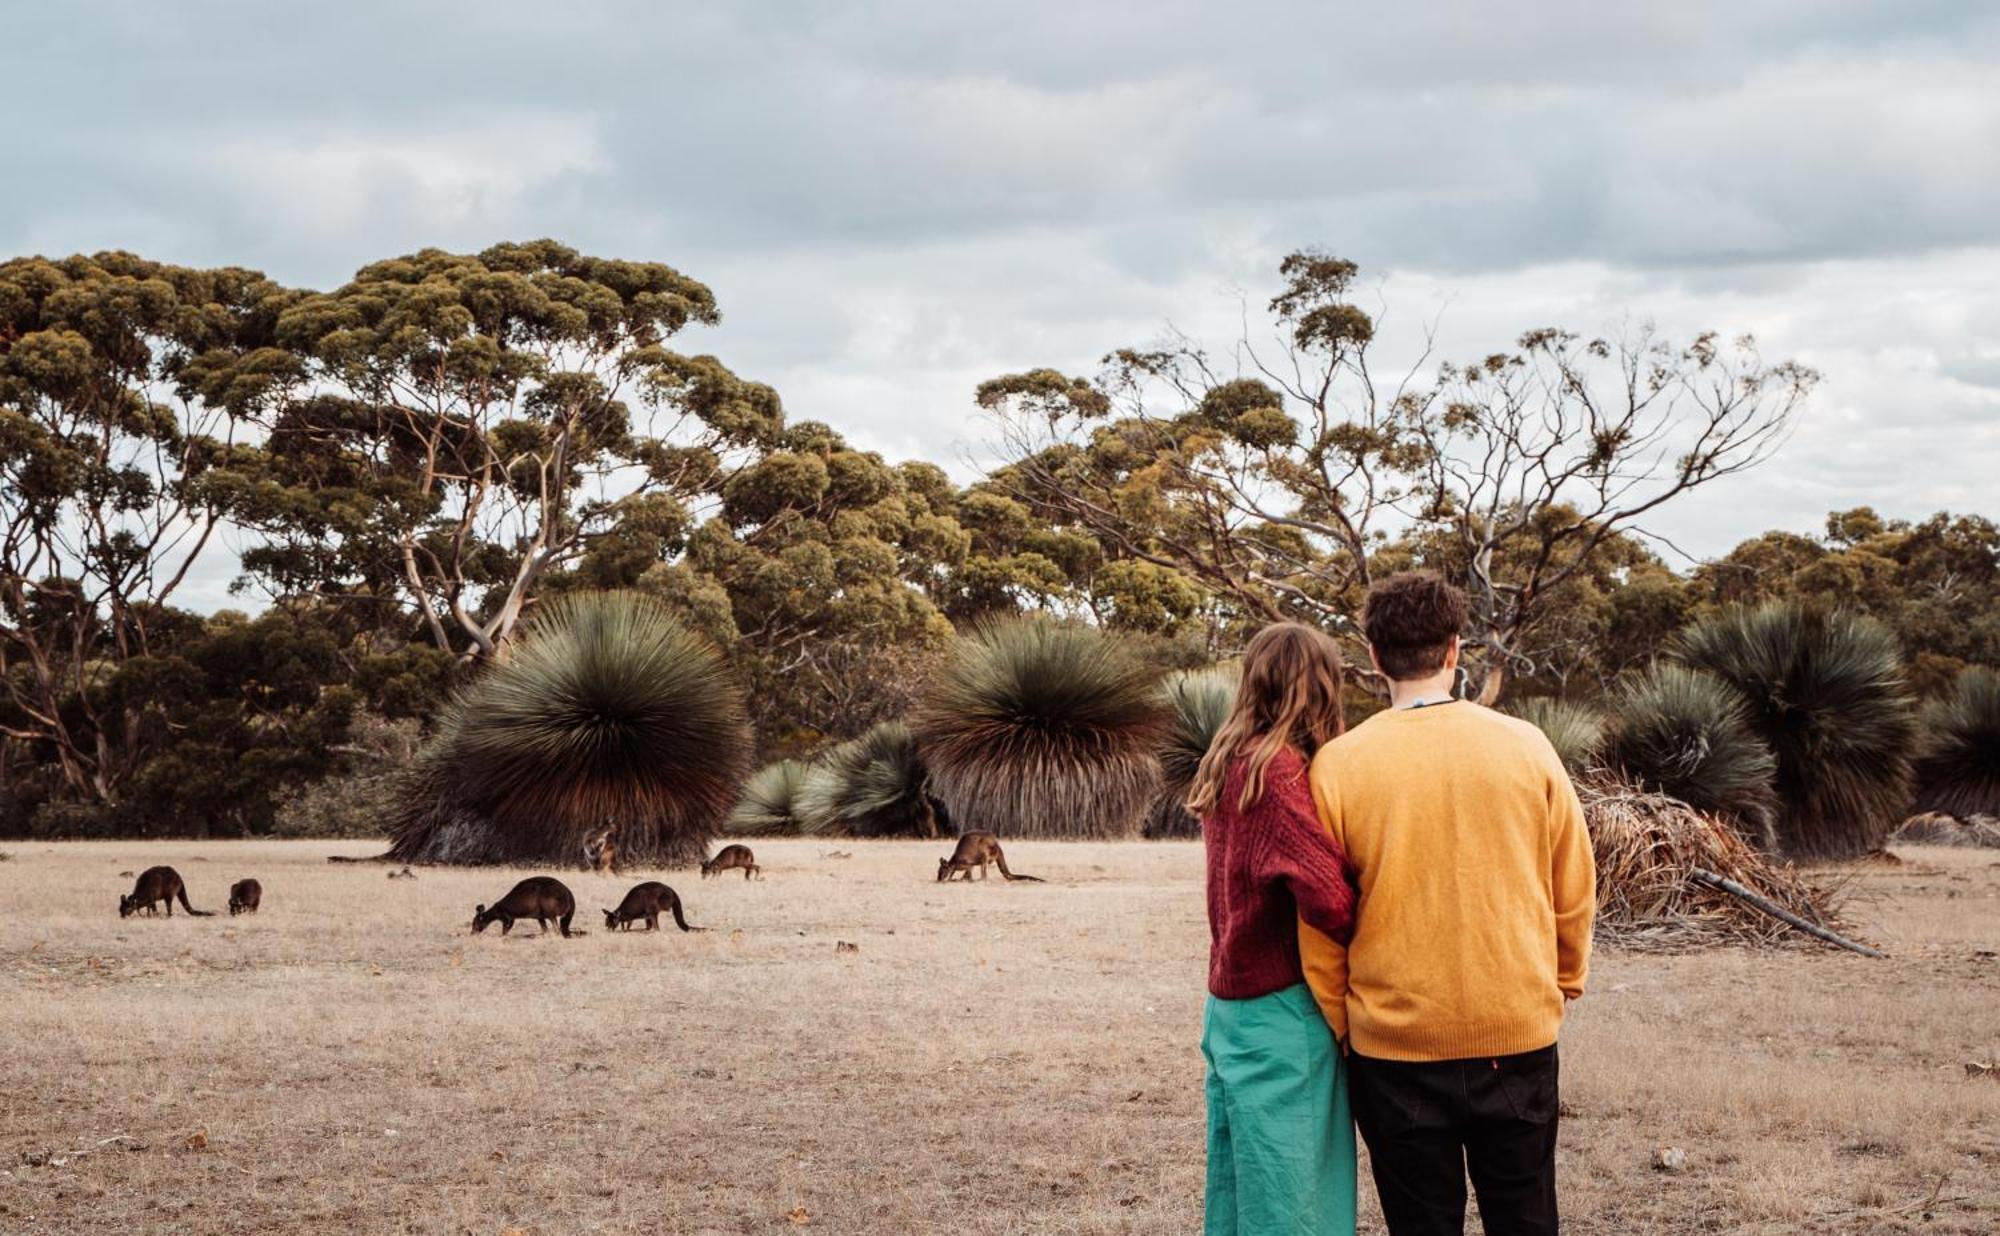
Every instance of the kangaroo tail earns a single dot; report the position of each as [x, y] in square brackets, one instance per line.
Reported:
[1002, 864]
[365, 858]
[183, 894]
[680, 921]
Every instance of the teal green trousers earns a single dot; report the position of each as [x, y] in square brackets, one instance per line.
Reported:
[1280, 1140]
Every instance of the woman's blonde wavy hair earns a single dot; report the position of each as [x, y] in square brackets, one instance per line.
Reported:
[1289, 694]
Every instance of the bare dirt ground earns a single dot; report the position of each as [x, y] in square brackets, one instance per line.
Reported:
[994, 1058]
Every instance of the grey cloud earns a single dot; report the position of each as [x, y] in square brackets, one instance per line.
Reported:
[894, 200]
[1467, 135]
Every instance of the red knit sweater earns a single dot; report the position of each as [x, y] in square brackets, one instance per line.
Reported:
[1268, 867]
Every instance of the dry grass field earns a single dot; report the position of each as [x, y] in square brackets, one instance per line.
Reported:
[993, 1058]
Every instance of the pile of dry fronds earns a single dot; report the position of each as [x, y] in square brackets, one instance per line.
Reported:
[1647, 845]
[1938, 829]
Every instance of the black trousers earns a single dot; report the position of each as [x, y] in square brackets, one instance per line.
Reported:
[1429, 1124]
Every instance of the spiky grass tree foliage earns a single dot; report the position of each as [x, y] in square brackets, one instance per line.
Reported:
[1826, 692]
[873, 786]
[607, 713]
[1198, 702]
[1686, 734]
[1036, 728]
[1958, 766]
[1575, 729]
[770, 800]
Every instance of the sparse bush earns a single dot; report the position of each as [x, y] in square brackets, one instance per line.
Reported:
[357, 801]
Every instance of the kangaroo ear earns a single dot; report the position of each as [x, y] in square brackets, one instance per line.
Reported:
[480, 908]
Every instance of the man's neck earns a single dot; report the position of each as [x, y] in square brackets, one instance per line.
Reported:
[1433, 690]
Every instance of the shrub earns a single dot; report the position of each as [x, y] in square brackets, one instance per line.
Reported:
[1040, 728]
[1957, 771]
[1575, 729]
[1198, 702]
[769, 805]
[1825, 691]
[1686, 734]
[356, 802]
[871, 786]
[608, 713]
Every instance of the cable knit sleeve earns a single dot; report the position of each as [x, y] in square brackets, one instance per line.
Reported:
[1292, 849]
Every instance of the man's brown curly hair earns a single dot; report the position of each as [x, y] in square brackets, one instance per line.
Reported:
[1409, 619]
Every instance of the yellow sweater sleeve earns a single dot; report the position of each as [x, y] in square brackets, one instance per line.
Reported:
[1573, 881]
[1324, 959]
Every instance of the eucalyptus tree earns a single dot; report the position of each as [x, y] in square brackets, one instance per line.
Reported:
[817, 571]
[1272, 473]
[119, 460]
[462, 425]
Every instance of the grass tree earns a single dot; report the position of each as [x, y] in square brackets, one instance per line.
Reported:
[1825, 690]
[1038, 728]
[1958, 765]
[1686, 734]
[1576, 730]
[608, 715]
[1198, 702]
[871, 786]
[770, 802]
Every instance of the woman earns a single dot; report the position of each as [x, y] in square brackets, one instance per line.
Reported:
[1280, 1142]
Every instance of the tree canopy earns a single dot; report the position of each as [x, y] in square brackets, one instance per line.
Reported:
[402, 469]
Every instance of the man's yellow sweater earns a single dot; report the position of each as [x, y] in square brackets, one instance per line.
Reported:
[1477, 885]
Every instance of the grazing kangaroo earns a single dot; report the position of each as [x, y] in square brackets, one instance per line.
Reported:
[538, 897]
[158, 884]
[729, 858]
[977, 850]
[244, 897]
[647, 901]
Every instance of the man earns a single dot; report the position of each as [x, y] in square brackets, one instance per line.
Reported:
[1473, 930]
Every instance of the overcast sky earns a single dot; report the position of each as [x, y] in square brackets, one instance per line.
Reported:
[894, 201]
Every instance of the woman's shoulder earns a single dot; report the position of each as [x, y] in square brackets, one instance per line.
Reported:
[1287, 770]
[1288, 758]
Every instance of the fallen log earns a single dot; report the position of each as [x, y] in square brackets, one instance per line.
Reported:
[1772, 908]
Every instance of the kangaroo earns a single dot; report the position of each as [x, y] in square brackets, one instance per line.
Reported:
[158, 884]
[977, 850]
[729, 858]
[538, 897]
[647, 901]
[244, 897]
[601, 851]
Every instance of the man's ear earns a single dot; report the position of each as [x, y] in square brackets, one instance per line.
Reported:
[1376, 661]
[1451, 654]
